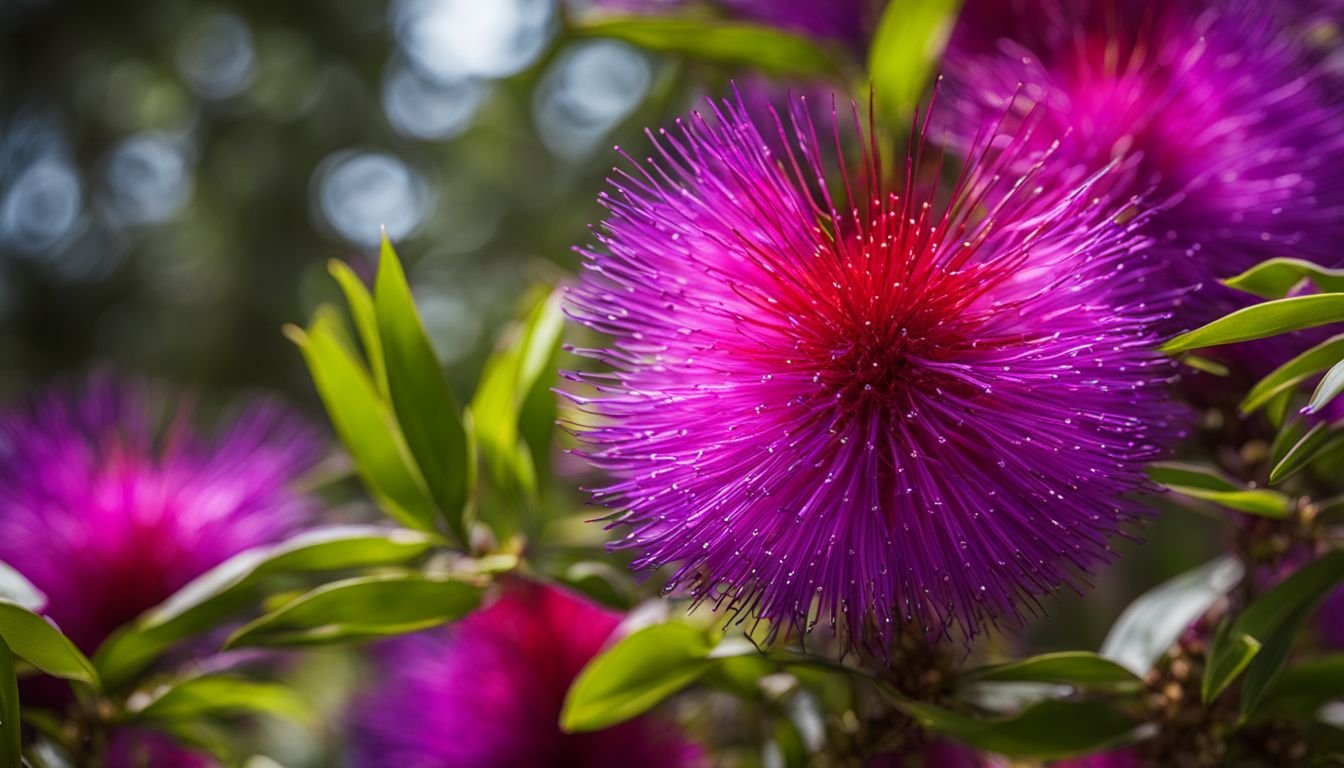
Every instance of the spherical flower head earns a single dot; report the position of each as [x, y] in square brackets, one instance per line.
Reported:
[487, 692]
[1218, 112]
[113, 500]
[870, 410]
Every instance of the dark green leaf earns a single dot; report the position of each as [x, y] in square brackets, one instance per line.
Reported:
[1279, 611]
[364, 423]
[1153, 622]
[360, 609]
[10, 744]
[227, 589]
[1317, 440]
[19, 590]
[1275, 278]
[424, 405]
[1268, 663]
[1329, 388]
[729, 43]
[1261, 320]
[1080, 669]
[1210, 485]
[366, 322]
[216, 696]
[1050, 730]
[1292, 373]
[634, 675]
[33, 639]
[1306, 686]
[906, 48]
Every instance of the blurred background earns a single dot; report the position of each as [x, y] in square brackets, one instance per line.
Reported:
[175, 174]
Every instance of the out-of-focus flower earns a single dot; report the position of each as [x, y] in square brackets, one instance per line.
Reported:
[1123, 758]
[113, 501]
[131, 748]
[1218, 111]
[867, 410]
[487, 693]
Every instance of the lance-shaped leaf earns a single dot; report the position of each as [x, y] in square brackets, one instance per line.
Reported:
[424, 405]
[1275, 278]
[360, 609]
[366, 321]
[366, 425]
[1262, 634]
[1211, 485]
[515, 385]
[1153, 622]
[17, 589]
[239, 582]
[729, 43]
[1290, 456]
[636, 674]
[1304, 687]
[1080, 669]
[1262, 320]
[1050, 730]
[1329, 388]
[33, 639]
[1288, 376]
[906, 49]
[219, 696]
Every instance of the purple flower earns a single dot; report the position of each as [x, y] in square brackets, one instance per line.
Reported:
[487, 693]
[1123, 758]
[867, 410]
[1218, 112]
[113, 500]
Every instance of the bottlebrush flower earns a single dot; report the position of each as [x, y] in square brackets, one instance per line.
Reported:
[487, 693]
[109, 508]
[1219, 111]
[872, 409]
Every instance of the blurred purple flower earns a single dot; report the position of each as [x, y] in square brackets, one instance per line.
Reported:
[1217, 111]
[869, 410]
[1123, 758]
[487, 693]
[109, 509]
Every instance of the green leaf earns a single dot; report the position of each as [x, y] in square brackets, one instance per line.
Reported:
[906, 48]
[518, 379]
[1156, 620]
[10, 744]
[241, 581]
[1292, 373]
[1259, 628]
[1329, 388]
[423, 403]
[1319, 439]
[1210, 485]
[366, 322]
[364, 423]
[33, 639]
[1261, 320]
[359, 609]
[1080, 669]
[1050, 730]
[17, 589]
[727, 43]
[1306, 686]
[216, 696]
[634, 675]
[1275, 278]
[1206, 365]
